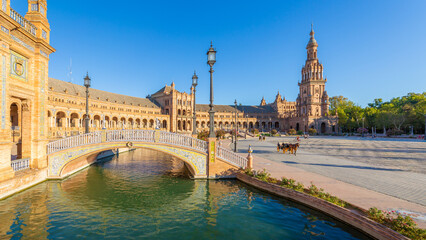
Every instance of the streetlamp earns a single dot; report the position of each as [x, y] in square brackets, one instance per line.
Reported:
[211, 60]
[236, 126]
[194, 123]
[270, 124]
[87, 81]
[247, 126]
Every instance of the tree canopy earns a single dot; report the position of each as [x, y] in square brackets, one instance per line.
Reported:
[398, 114]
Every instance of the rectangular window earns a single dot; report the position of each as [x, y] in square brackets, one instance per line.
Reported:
[34, 7]
[4, 5]
[44, 34]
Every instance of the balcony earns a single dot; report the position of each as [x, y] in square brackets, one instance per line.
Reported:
[29, 27]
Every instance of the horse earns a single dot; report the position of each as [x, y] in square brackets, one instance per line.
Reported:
[283, 146]
[293, 148]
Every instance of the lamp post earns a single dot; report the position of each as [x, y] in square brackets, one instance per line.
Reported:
[424, 138]
[194, 123]
[270, 124]
[236, 126]
[211, 60]
[247, 126]
[87, 81]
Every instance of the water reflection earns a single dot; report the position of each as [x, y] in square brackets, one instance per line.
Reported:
[138, 195]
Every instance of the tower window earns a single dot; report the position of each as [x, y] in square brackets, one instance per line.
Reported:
[43, 34]
[34, 7]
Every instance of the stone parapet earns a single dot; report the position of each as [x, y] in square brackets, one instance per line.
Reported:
[359, 222]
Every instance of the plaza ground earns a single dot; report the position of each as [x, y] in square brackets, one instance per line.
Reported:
[387, 173]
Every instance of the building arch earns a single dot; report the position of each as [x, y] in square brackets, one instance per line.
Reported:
[179, 123]
[277, 125]
[74, 120]
[61, 119]
[323, 127]
[97, 121]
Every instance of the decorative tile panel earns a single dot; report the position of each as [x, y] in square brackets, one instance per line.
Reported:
[43, 54]
[3, 92]
[4, 5]
[5, 29]
[22, 43]
[18, 66]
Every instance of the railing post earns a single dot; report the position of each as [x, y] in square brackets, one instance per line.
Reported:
[250, 158]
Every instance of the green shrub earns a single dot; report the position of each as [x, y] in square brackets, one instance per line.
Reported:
[263, 175]
[220, 133]
[292, 131]
[273, 132]
[404, 225]
[312, 131]
[249, 172]
[255, 131]
[300, 132]
[203, 135]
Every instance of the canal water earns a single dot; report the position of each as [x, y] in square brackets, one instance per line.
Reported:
[145, 195]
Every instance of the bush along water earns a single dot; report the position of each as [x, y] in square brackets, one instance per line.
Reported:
[297, 186]
[402, 224]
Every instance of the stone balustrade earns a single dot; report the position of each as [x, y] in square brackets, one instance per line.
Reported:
[29, 27]
[231, 157]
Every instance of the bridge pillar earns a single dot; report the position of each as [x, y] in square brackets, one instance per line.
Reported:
[211, 160]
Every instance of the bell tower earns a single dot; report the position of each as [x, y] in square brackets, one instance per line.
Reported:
[37, 15]
[313, 100]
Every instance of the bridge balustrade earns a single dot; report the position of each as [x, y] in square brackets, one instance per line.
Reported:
[127, 136]
[76, 141]
[231, 157]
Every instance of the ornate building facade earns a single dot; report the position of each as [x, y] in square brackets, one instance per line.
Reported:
[24, 63]
[35, 109]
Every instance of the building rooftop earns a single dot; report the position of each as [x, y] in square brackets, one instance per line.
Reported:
[59, 86]
[229, 108]
[257, 109]
[217, 108]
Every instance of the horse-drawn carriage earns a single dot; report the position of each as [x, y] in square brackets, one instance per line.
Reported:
[291, 148]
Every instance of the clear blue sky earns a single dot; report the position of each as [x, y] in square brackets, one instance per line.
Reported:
[370, 49]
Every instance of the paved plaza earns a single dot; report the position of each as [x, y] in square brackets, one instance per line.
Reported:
[376, 168]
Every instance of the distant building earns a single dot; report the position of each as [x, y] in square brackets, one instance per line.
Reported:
[174, 108]
[35, 108]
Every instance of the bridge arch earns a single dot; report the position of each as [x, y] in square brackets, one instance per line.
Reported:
[68, 155]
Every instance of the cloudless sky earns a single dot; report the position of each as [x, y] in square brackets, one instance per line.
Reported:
[369, 49]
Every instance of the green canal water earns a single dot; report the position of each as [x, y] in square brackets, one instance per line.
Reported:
[142, 195]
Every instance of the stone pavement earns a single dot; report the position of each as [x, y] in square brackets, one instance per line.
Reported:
[368, 179]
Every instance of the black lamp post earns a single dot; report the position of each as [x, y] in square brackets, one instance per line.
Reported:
[236, 126]
[247, 126]
[211, 60]
[87, 81]
[194, 123]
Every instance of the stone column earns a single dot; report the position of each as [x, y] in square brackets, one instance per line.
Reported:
[26, 130]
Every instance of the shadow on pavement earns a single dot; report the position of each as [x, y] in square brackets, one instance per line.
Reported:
[345, 166]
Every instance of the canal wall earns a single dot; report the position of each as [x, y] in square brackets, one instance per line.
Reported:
[371, 228]
[22, 181]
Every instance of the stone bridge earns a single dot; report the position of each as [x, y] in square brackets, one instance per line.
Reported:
[203, 159]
